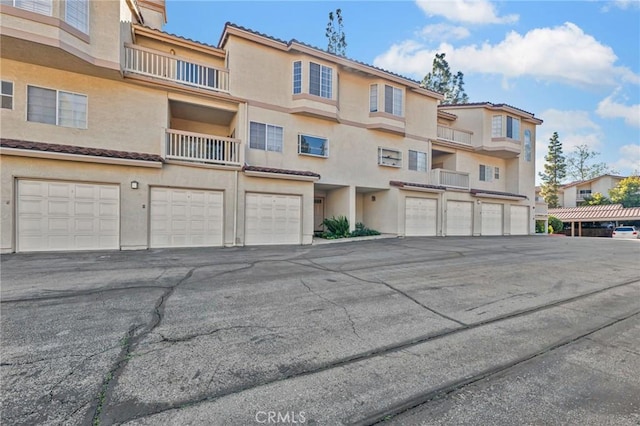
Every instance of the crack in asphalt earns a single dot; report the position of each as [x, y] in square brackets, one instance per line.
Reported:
[80, 293]
[500, 300]
[380, 351]
[346, 311]
[379, 281]
[443, 391]
[189, 337]
[128, 343]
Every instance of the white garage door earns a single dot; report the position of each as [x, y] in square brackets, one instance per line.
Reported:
[519, 220]
[420, 217]
[491, 219]
[67, 216]
[459, 218]
[273, 219]
[186, 218]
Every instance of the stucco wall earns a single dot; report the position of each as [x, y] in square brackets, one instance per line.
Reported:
[134, 204]
[120, 116]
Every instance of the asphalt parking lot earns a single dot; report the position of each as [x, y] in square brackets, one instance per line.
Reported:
[486, 330]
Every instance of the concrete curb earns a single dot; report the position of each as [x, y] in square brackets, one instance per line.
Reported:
[319, 241]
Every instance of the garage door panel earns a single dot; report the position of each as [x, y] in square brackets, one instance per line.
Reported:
[420, 216]
[86, 192]
[61, 207]
[55, 215]
[272, 219]
[60, 190]
[519, 220]
[186, 218]
[109, 209]
[459, 218]
[492, 218]
[108, 226]
[32, 188]
[59, 225]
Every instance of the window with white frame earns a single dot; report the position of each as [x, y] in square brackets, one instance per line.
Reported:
[373, 98]
[496, 126]
[43, 7]
[418, 161]
[320, 80]
[527, 145]
[266, 137]
[486, 173]
[56, 107]
[7, 94]
[313, 145]
[297, 77]
[513, 128]
[393, 100]
[496, 173]
[77, 14]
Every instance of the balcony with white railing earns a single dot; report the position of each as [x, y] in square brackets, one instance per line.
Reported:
[450, 178]
[201, 148]
[150, 63]
[453, 135]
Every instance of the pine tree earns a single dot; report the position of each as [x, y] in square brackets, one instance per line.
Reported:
[441, 80]
[336, 37]
[555, 170]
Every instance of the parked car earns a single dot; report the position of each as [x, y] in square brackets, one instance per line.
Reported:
[625, 232]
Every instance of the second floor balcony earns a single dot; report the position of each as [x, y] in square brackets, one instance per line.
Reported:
[150, 63]
[453, 135]
[202, 148]
[450, 178]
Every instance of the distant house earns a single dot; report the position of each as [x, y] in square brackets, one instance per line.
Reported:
[573, 194]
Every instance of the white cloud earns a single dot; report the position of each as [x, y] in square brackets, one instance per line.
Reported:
[629, 161]
[563, 54]
[609, 108]
[470, 11]
[621, 4]
[439, 32]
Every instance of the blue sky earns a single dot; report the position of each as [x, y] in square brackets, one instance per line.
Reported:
[575, 64]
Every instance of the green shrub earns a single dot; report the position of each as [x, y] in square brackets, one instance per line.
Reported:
[337, 227]
[363, 231]
[556, 224]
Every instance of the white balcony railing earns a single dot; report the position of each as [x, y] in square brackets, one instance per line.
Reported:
[453, 135]
[450, 179]
[200, 148]
[143, 61]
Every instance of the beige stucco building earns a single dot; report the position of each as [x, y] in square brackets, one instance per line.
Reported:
[116, 135]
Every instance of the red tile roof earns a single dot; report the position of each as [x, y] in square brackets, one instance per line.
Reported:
[596, 213]
[78, 150]
[416, 185]
[580, 182]
[280, 171]
[503, 194]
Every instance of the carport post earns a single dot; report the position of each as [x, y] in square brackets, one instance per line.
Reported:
[579, 229]
[573, 229]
